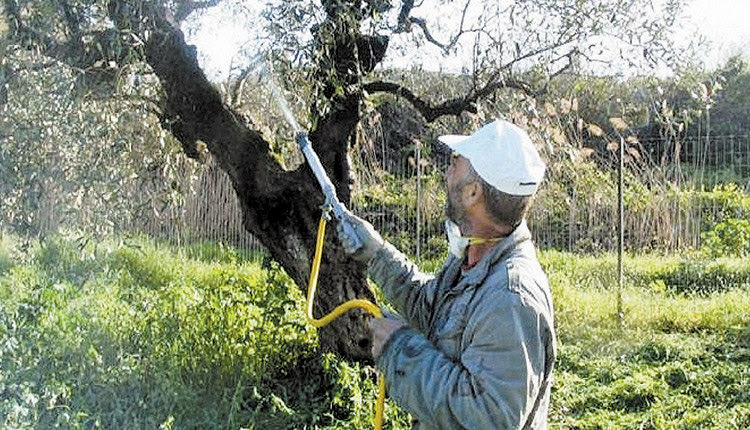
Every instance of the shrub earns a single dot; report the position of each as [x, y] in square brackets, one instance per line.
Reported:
[705, 276]
[730, 237]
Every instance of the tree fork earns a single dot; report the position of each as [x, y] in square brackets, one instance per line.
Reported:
[280, 208]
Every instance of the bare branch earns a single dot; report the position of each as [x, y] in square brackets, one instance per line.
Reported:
[454, 106]
[423, 25]
[571, 60]
[392, 88]
[533, 53]
[405, 23]
[187, 7]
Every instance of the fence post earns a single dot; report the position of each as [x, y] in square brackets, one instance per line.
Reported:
[419, 199]
[620, 230]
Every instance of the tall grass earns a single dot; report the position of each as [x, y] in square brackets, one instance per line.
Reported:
[126, 333]
[682, 359]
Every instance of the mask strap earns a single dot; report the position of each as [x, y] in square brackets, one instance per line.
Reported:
[474, 240]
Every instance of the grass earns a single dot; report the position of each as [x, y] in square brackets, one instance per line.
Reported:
[681, 360]
[128, 334]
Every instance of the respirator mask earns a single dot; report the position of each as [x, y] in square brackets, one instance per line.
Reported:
[458, 243]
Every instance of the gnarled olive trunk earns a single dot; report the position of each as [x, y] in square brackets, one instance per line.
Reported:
[280, 208]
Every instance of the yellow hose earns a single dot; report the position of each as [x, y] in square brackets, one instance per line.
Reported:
[340, 309]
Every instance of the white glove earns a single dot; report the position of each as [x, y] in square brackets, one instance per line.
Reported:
[358, 237]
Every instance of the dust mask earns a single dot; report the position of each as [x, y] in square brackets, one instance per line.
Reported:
[458, 244]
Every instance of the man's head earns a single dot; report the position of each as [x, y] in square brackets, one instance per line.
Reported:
[499, 165]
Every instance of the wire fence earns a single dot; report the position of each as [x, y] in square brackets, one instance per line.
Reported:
[404, 198]
[208, 211]
[402, 194]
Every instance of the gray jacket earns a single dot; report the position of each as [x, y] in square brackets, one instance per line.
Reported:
[481, 344]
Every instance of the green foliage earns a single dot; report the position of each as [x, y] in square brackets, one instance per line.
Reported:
[597, 390]
[674, 274]
[579, 191]
[70, 160]
[398, 199]
[728, 237]
[724, 201]
[127, 334]
[578, 211]
[678, 361]
[730, 110]
[706, 275]
[6, 258]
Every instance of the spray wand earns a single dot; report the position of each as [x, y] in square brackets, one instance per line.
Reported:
[332, 203]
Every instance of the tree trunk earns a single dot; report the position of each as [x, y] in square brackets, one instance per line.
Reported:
[280, 208]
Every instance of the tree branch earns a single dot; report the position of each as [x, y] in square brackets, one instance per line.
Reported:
[405, 25]
[185, 8]
[454, 106]
[534, 53]
[568, 65]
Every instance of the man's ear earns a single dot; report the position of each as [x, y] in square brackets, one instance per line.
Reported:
[473, 194]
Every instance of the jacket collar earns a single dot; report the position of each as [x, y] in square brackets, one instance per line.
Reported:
[500, 251]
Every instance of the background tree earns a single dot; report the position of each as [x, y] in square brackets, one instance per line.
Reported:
[136, 50]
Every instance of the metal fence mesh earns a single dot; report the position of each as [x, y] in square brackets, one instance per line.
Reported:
[403, 197]
[400, 191]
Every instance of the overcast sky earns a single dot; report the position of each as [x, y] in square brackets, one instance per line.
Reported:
[725, 23]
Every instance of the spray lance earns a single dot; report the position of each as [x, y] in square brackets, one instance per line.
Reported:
[332, 203]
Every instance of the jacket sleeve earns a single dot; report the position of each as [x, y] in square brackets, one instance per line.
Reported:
[410, 291]
[494, 383]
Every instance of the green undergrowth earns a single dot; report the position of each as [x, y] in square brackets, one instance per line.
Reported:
[125, 333]
[691, 274]
[128, 334]
[679, 358]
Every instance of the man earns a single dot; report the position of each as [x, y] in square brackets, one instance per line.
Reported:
[476, 344]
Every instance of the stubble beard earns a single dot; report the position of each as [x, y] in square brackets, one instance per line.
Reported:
[453, 209]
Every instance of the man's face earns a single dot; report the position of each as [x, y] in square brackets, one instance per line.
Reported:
[459, 175]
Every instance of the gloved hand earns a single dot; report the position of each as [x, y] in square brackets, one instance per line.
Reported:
[382, 329]
[354, 231]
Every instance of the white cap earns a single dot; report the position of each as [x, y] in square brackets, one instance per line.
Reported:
[503, 155]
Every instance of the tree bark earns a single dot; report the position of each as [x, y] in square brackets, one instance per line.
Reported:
[280, 208]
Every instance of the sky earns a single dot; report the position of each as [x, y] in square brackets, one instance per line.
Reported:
[724, 23]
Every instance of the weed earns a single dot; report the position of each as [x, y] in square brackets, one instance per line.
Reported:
[131, 333]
